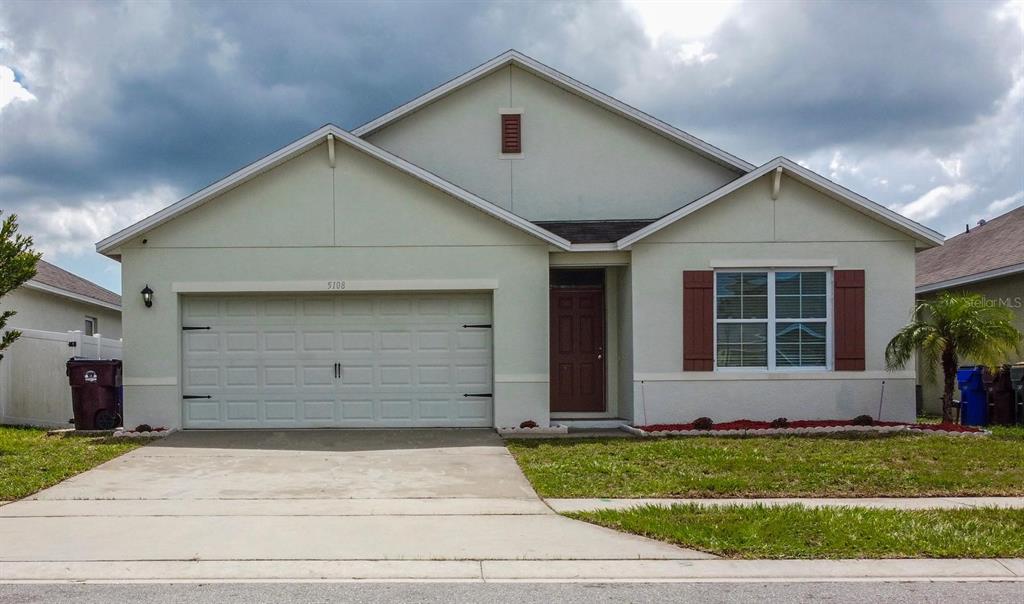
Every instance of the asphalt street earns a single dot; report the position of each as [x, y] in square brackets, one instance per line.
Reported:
[521, 593]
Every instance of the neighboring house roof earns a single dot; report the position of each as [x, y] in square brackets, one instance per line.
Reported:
[513, 57]
[55, 280]
[993, 249]
[922, 234]
[108, 245]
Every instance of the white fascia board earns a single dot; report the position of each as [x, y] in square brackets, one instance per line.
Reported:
[565, 82]
[71, 295]
[1005, 271]
[901, 223]
[108, 245]
[593, 247]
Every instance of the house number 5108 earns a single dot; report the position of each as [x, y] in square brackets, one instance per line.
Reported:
[335, 285]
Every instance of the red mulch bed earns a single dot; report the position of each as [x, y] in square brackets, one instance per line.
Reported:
[749, 424]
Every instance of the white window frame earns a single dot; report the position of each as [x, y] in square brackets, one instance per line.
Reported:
[95, 326]
[771, 321]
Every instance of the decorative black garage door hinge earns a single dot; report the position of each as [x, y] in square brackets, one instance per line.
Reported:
[192, 396]
[190, 328]
[478, 325]
[479, 395]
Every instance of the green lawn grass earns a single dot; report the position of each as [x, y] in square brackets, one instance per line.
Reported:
[794, 531]
[30, 460]
[819, 466]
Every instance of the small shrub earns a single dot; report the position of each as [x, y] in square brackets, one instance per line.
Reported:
[528, 424]
[863, 420]
[703, 423]
[143, 428]
[780, 422]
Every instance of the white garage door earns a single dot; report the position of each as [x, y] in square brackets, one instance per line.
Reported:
[347, 360]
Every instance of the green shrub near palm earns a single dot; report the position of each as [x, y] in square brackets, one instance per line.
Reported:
[952, 327]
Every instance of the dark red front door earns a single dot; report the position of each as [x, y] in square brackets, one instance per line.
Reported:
[577, 349]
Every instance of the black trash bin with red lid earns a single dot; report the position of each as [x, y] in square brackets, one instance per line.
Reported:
[95, 393]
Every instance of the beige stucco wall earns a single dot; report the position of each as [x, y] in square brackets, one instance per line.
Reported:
[579, 160]
[1008, 291]
[803, 225]
[50, 312]
[303, 224]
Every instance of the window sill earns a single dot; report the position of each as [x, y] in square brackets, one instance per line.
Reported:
[770, 376]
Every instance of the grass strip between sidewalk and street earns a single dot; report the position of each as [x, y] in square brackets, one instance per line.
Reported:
[31, 461]
[779, 466]
[798, 532]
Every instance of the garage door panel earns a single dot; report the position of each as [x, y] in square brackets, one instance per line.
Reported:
[394, 341]
[196, 341]
[319, 341]
[280, 341]
[318, 376]
[242, 411]
[269, 361]
[241, 377]
[241, 341]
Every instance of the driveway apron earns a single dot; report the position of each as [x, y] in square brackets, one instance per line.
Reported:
[307, 495]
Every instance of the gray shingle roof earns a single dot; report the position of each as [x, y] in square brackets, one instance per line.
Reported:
[593, 231]
[54, 276]
[999, 243]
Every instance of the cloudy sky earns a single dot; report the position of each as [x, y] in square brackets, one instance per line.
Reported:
[111, 111]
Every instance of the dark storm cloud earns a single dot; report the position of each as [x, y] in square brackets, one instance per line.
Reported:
[825, 73]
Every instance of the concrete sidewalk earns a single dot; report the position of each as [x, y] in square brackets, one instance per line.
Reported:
[514, 570]
[896, 503]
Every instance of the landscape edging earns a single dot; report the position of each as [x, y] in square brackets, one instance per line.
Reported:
[797, 431]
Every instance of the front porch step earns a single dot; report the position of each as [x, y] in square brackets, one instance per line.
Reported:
[591, 423]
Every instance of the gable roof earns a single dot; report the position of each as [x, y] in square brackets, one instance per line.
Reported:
[994, 249]
[55, 280]
[110, 244]
[925, 236]
[513, 57]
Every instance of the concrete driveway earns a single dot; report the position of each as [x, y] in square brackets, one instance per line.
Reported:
[289, 502]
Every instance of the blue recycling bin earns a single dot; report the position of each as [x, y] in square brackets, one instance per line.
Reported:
[973, 400]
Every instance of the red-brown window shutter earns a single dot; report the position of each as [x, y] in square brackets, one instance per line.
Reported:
[511, 133]
[849, 320]
[698, 320]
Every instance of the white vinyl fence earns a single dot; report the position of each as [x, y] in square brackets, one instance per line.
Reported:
[34, 387]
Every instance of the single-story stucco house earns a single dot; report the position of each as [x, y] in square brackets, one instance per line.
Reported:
[48, 307]
[59, 301]
[986, 259]
[511, 246]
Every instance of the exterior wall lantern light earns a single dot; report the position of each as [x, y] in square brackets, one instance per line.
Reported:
[147, 296]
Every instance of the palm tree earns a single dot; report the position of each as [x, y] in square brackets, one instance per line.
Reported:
[949, 328]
